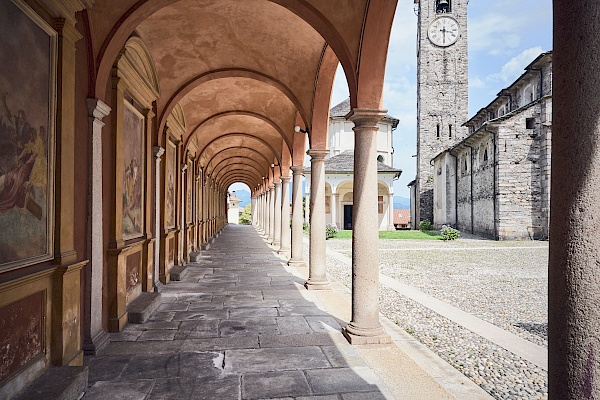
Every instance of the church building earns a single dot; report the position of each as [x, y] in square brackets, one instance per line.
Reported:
[339, 170]
[496, 182]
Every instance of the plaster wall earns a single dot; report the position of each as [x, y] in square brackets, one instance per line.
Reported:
[341, 138]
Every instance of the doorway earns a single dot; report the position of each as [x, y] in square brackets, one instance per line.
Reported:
[348, 217]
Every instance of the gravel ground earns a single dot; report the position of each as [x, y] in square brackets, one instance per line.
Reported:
[501, 284]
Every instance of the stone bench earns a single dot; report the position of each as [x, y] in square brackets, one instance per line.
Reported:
[60, 383]
[140, 309]
[178, 272]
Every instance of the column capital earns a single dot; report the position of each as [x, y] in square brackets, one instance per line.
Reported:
[297, 169]
[317, 154]
[285, 179]
[366, 117]
[183, 167]
[158, 151]
[277, 184]
[271, 187]
[97, 109]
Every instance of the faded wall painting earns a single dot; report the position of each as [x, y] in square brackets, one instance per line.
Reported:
[27, 109]
[133, 172]
[21, 334]
[171, 184]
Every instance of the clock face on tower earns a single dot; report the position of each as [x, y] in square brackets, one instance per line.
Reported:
[443, 31]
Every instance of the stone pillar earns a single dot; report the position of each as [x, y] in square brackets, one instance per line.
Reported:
[574, 259]
[365, 328]
[253, 210]
[286, 232]
[390, 226]
[267, 213]
[334, 201]
[158, 153]
[182, 230]
[307, 208]
[317, 277]
[297, 229]
[271, 214]
[94, 337]
[277, 212]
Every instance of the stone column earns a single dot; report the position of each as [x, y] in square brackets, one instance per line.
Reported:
[158, 153]
[271, 214]
[253, 208]
[390, 226]
[365, 328]
[334, 216]
[317, 277]
[267, 213]
[574, 259]
[182, 230]
[94, 337]
[307, 207]
[277, 213]
[286, 233]
[297, 228]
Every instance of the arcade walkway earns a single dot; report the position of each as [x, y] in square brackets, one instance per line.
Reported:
[241, 325]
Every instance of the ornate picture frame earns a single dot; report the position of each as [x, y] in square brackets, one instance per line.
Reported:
[27, 136]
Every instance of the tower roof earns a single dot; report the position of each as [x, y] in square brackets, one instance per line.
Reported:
[344, 163]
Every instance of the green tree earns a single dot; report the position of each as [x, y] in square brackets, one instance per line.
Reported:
[246, 215]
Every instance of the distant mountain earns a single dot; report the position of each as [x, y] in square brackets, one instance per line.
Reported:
[400, 203]
[244, 196]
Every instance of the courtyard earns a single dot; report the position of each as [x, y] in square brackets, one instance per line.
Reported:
[502, 283]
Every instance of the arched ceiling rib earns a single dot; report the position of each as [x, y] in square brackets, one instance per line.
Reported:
[239, 140]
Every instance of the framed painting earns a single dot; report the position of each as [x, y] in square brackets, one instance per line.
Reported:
[133, 172]
[171, 184]
[28, 46]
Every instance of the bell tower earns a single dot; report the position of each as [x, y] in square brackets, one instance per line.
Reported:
[442, 89]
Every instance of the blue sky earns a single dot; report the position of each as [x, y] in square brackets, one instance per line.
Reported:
[504, 37]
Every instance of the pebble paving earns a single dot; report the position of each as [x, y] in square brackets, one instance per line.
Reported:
[504, 283]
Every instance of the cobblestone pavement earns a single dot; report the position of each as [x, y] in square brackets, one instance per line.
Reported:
[504, 283]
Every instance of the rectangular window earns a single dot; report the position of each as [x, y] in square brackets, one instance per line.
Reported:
[530, 123]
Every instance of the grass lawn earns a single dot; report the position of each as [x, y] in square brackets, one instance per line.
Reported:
[407, 235]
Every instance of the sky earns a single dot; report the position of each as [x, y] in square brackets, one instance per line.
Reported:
[504, 37]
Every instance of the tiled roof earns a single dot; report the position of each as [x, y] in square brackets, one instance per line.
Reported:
[402, 217]
[344, 162]
[340, 111]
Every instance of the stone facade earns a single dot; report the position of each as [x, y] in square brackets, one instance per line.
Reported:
[442, 93]
[496, 181]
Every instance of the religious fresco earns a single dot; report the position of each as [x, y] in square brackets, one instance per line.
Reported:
[133, 156]
[27, 89]
[171, 183]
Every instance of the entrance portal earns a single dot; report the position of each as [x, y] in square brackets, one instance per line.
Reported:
[348, 217]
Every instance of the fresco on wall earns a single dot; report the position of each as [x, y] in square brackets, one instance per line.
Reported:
[27, 81]
[133, 154]
[171, 181]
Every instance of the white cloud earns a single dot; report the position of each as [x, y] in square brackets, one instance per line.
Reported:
[476, 82]
[514, 67]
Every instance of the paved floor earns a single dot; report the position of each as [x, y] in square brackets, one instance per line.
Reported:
[240, 325]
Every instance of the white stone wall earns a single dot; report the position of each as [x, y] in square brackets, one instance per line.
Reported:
[341, 138]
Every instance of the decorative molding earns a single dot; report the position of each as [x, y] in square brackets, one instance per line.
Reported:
[158, 152]
[97, 109]
[176, 121]
[135, 66]
[66, 8]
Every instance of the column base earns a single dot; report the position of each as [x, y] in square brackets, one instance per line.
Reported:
[361, 336]
[314, 285]
[297, 263]
[92, 347]
[276, 244]
[285, 252]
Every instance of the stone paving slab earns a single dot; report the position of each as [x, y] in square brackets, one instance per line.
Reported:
[275, 359]
[242, 328]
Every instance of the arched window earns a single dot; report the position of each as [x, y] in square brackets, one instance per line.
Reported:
[380, 158]
[450, 131]
[438, 130]
[485, 155]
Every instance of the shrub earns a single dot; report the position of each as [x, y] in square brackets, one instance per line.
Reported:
[305, 227]
[425, 225]
[449, 233]
[330, 231]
